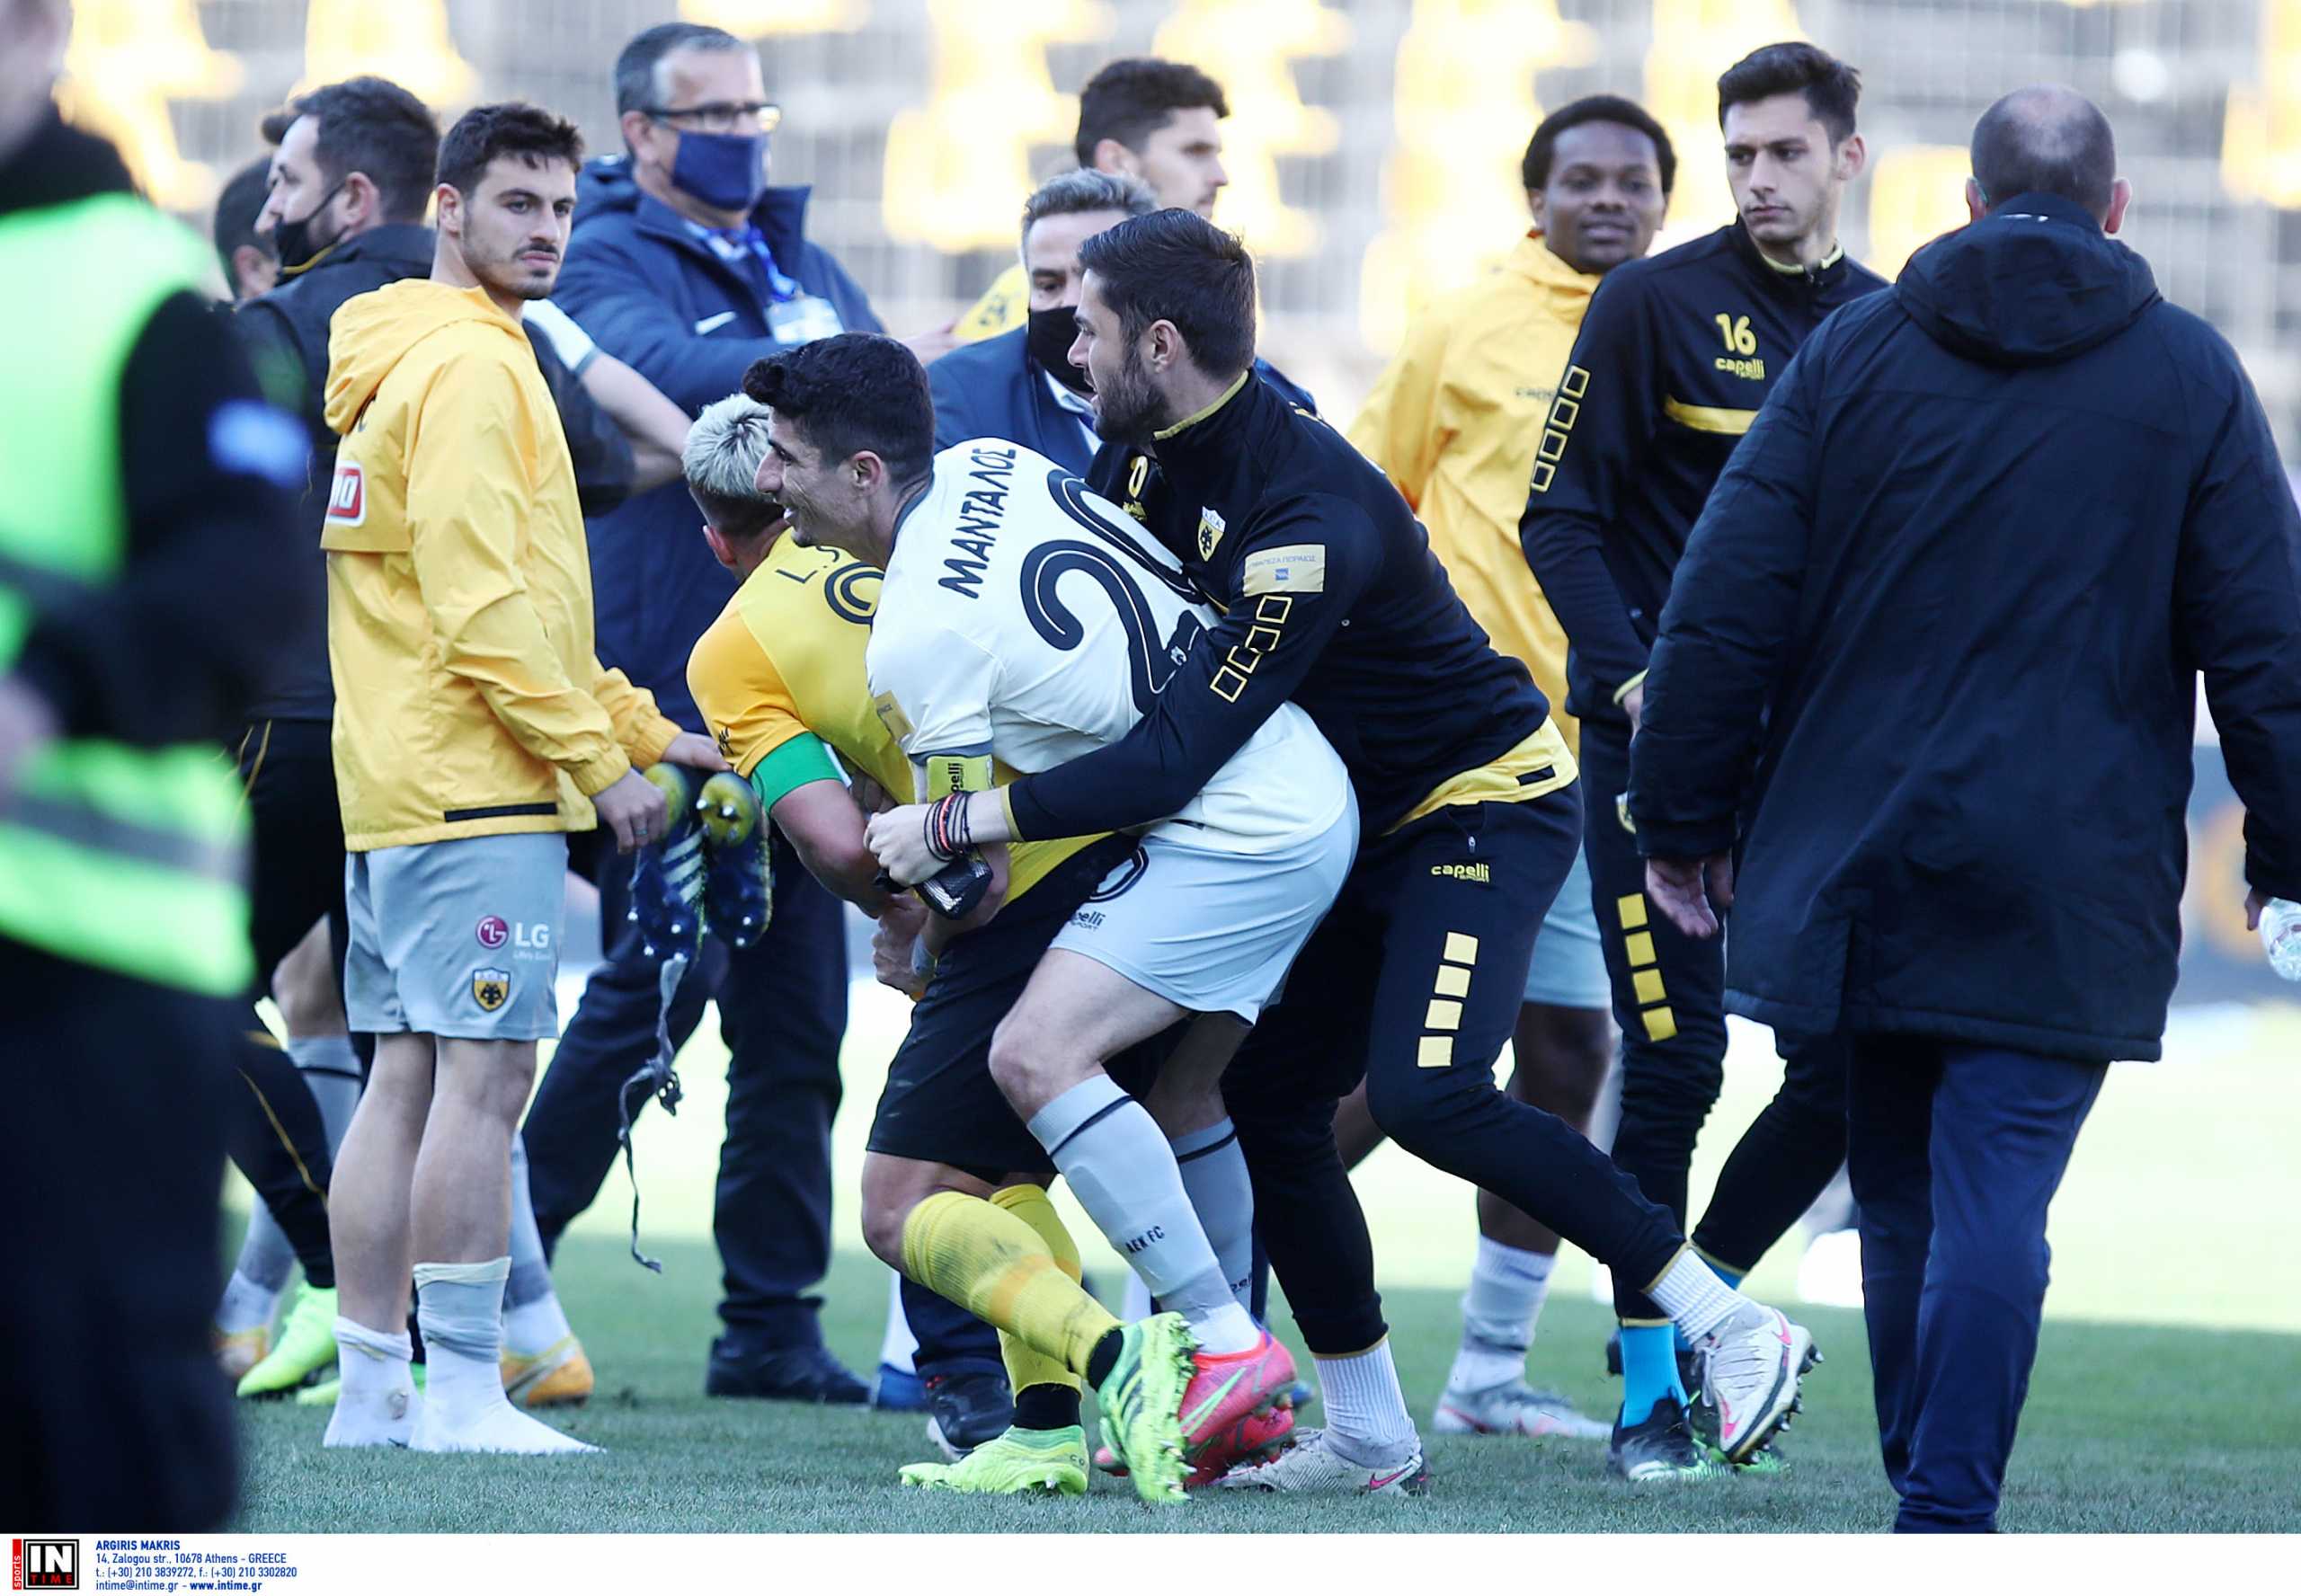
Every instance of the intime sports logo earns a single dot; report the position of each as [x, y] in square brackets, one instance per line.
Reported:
[44, 1565]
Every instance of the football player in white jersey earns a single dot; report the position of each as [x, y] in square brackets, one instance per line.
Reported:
[1023, 623]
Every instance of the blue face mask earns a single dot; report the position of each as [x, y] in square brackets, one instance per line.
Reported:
[725, 171]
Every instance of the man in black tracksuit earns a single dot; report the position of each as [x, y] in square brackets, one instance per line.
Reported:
[1937, 645]
[1331, 598]
[1677, 353]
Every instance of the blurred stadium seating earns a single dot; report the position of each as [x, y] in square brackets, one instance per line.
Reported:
[1373, 147]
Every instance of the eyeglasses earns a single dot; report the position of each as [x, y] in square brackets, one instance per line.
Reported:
[721, 116]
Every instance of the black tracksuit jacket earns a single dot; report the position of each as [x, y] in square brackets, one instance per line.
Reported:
[1674, 358]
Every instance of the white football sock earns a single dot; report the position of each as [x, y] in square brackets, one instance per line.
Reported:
[1366, 1416]
[465, 1409]
[377, 1403]
[533, 1319]
[332, 1071]
[248, 1302]
[898, 1346]
[1507, 1285]
[1123, 1175]
[1134, 1300]
[1697, 1301]
[1214, 1174]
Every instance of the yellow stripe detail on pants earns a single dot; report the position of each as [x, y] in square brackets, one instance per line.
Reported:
[1461, 949]
[1443, 1015]
[1661, 1024]
[1631, 908]
[1438, 1053]
[1638, 948]
[1647, 985]
[1454, 981]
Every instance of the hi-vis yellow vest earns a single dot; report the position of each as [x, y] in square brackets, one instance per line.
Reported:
[130, 859]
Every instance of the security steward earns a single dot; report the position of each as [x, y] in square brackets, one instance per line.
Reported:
[1674, 358]
[145, 491]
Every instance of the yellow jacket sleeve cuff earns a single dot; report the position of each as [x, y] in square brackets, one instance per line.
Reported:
[1627, 687]
[597, 776]
[654, 737]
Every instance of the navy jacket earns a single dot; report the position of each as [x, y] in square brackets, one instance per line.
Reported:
[994, 389]
[1936, 636]
[655, 296]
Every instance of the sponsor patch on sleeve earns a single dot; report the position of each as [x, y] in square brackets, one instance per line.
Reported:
[1297, 568]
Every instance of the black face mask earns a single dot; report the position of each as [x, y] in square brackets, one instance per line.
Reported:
[1051, 333]
[291, 242]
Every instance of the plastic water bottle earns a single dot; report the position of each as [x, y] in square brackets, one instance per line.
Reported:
[2281, 936]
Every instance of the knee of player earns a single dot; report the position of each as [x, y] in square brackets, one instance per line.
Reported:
[1406, 1105]
[886, 1208]
[1031, 1067]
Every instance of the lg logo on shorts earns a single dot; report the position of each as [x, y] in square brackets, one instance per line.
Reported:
[494, 931]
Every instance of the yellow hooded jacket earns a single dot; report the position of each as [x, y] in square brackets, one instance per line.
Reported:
[1455, 420]
[469, 700]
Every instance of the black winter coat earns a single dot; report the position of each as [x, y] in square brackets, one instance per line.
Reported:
[1935, 640]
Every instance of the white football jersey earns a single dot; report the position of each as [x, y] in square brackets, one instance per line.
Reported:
[1025, 618]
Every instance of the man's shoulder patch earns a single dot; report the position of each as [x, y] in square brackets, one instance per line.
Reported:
[1297, 568]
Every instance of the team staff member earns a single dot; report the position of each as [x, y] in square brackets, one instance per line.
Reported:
[1020, 384]
[1331, 599]
[474, 727]
[1937, 645]
[1157, 121]
[145, 491]
[688, 265]
[1454, 422]
[1675, 357]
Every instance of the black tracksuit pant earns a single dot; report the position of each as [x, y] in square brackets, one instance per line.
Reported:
[783, 1010]
[114, 1414]
[1414, 982]
[1670, 999]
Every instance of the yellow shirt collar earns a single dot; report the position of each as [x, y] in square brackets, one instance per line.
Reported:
[1188, 422]
[1838, 254]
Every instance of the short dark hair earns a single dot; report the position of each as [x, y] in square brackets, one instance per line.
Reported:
[370, 124]
[1831, 87]
[513, 127]
[1595, 108]
[2045, 141]
[1176, 266]
[634, 69]
[1130, 100]
[849, 392]
[236, 210]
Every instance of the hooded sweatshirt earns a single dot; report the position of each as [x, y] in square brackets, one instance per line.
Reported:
[1936, 637]
[469, 700]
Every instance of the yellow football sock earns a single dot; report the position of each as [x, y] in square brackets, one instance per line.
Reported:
[1026, 1366]
[998, 1268]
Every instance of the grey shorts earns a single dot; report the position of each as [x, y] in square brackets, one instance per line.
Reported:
[1569, 967]
[458, 938]
[1212, 931]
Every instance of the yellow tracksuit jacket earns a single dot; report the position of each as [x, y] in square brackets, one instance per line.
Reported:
[1455, 420]
[469, 700]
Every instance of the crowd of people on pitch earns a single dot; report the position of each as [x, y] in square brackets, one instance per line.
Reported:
[1229, 786]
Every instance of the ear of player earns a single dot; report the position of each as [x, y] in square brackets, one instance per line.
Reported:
[710, 869]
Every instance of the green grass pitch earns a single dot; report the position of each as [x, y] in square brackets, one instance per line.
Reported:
[2164, 1397]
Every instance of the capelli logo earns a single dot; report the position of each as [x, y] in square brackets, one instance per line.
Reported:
[1483, 874]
